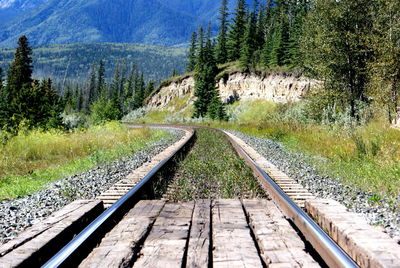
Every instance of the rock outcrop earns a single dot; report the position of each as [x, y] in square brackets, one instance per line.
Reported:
[240, 86]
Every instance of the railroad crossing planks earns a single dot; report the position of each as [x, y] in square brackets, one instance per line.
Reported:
[121, 245]
[39, 242]
[202, 233]
[279, 243]
[166, 243]
[232, 241]
[199, 240]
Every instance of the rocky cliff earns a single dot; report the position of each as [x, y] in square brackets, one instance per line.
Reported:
[240, 86]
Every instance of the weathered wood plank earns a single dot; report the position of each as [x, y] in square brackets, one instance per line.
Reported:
[165, 246]
[233, 245]
[39, 242]
[119, 246]
[368, 245]
[199, 239]
[279, 243]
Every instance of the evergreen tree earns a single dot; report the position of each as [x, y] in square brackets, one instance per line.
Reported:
[14, 97]
[139, 93]
[130, 88]
[122, 80]
[280, 37]
[149, 88]
[207, 99]
[200, 47]
[20, 71]
[269, 33]
[335, 47]
[260, 28]
[116, 82]
[221, 48]
[236, 32]
[1, 79]
[101, 84]
[192, 53]
[249, 43]
[299, 9]
[91, 88]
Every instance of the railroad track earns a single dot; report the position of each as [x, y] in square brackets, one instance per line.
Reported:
[205, 233]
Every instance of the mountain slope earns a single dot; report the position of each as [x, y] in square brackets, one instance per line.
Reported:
[73, 61]
[167, 22]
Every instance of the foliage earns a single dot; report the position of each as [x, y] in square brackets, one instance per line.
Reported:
[335, 47]
[73, 61]
[385, 65]
[104, 110]
[24, 100]
[31, 159]
[207, 100]
[213, 170]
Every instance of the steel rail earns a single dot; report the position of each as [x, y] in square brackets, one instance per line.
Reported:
[331, 253]
[69, 249]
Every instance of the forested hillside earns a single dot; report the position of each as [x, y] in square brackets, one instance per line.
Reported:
[350, 45]
[122, 21]
[73, 61]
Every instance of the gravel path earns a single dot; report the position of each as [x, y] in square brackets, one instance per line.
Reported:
[298, 167]
[18, 214]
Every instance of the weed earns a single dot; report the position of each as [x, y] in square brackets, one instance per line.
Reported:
[29, 161]
[213, 170]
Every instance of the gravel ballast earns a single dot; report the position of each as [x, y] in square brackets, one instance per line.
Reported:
[18, 214]
[298, 167]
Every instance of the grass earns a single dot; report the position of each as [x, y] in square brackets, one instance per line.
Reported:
[367, 157]
[213, 170]
[30, 160]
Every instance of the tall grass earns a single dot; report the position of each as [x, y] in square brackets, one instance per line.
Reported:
[29, 160]
[366, 156]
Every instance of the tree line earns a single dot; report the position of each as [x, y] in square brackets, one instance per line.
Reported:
[30, 103]
[352, 46]
[108, 100]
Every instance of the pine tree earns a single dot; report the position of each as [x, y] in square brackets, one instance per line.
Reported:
[221, 48]
[139, 93]
[260, 28]
[122, 80]
[130, 88]
[91, 88]
[236, 32]
[1, 79]
[266, 50]
[116, 82]
[149, 88]
[249, 43]
[14, 97]
[20, 71]
[101, 84]
[207, 99]
[299, 9]
[280, 37]
[192, 53]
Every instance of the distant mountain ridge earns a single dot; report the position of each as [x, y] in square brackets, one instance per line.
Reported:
[163, 22]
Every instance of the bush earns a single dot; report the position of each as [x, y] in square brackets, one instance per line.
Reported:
[104, 110]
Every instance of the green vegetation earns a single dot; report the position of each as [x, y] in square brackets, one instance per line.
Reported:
[208, 102]
[24, 101]
[73, 61]
[33, 158]
[213, 170]
[366, 156]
